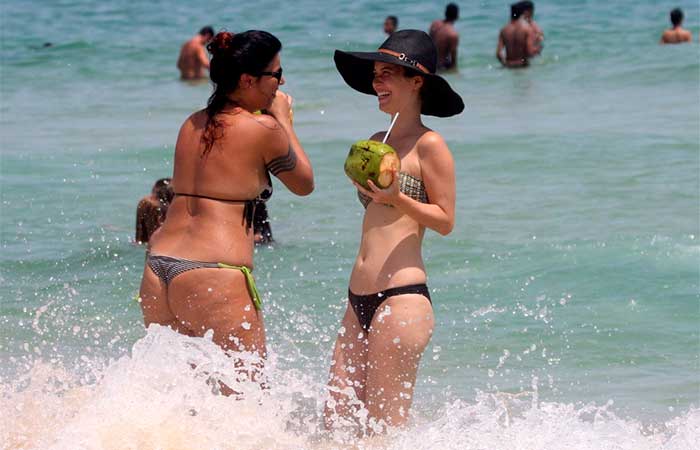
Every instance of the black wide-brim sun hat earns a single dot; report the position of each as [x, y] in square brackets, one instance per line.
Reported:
[413, 49]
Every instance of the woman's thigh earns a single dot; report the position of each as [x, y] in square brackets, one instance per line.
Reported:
[218, 300]
[400, 331]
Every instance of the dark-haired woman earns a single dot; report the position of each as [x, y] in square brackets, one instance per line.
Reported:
[389, 319]
[198, 272]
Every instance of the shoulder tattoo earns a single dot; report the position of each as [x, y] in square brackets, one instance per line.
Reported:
[283, 163]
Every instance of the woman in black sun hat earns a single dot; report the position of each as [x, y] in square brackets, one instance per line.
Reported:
[389, 319]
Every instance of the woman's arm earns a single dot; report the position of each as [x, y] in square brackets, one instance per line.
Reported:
[287, 159]
[437, 171]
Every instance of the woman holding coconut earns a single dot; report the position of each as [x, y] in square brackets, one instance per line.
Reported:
[389, 319]
[198, 271]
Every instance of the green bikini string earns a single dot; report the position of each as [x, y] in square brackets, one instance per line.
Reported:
[249, 279]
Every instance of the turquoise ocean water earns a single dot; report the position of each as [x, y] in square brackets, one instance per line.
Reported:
[566, 298]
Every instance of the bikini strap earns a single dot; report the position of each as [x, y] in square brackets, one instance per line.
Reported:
[249, 280]
[209, 197]
[248, 209]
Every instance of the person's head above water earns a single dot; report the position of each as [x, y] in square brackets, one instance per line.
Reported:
[528, 8]
[516, 10]
[207, 33]
[390, 24]
[401, 71]
[163, 191]
[451, 12]
[676, 17]
[246, 71]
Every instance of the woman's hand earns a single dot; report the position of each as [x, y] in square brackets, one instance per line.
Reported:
[281, 108]
[388, 196]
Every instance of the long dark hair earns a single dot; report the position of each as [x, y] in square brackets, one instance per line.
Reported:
[233, 55]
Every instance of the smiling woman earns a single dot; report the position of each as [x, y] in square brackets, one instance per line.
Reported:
[209, 225]
[389, 319]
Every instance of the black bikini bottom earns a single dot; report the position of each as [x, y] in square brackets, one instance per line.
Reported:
[365, 306]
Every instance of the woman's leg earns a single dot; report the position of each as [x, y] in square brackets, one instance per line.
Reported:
[400, 331]
[347, 374]
[219, 300]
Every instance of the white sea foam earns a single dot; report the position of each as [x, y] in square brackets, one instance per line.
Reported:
[160, 397]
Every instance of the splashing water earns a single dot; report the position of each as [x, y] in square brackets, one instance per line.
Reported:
[161, 396]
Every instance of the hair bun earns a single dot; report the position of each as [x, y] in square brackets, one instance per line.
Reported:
[221, 43]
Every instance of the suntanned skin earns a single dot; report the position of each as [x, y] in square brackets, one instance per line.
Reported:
[539, 34]
[214, 231]
[518, 39]
[446, 39]
[676, 35]
[193, 58]
[389, 26]
[381, 367]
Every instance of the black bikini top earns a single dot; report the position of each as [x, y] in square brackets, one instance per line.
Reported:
[408, 184]
[248, 209]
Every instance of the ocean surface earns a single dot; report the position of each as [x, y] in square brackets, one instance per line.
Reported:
[566, 298]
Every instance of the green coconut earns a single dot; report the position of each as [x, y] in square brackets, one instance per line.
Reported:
[372, 160]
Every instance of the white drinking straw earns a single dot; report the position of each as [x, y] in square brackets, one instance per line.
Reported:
[393, 121]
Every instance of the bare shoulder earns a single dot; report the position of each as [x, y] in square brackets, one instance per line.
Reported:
[431, 145]
[266, 123]
[430, 140]
[261, 127]
[269, 134]
[197, 119]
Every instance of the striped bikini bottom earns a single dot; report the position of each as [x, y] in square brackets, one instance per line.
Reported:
[167, 268]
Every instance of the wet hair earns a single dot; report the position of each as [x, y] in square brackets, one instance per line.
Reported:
[527, 6]
[676, 17]
[232, 56]
[452, 12]
[207, 31]
[164, 191]
[393, 19]
[516, 10]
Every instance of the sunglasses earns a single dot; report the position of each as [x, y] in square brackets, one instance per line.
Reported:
[277, 74]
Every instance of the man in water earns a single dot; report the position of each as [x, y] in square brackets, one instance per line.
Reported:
[446, 38]
[677, 34]
[193, 56]
[519, 40]
[528, 14]
[391, 23]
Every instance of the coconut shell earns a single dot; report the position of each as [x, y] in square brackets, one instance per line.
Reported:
[372, 160]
